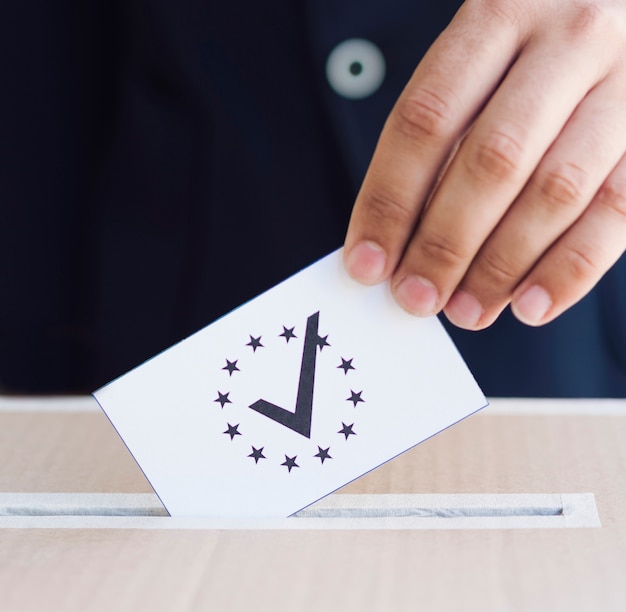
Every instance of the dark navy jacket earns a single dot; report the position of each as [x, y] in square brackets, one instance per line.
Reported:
[162, 162]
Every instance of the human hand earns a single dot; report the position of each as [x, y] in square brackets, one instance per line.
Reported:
[500, 174]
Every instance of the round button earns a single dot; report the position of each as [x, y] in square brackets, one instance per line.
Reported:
[355, 68]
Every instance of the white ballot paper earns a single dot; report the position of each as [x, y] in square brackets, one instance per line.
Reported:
[289, 397]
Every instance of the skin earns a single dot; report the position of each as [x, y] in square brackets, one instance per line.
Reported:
[500, 175]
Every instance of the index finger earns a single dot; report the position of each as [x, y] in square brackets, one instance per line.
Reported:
[445, 93]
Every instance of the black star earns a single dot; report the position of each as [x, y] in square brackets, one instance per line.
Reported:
[346, 430]
[257, 453]
[322, 342]
[255, 343]
[323, 453]
[232, 431]
[346, 365]
[223, 398]
[355, 397]
[288, 333]
[290, 462]
[231, 366]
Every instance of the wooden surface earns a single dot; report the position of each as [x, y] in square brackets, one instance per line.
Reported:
[515, 447]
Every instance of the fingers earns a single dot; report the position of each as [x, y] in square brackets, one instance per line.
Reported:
[575, 263]
[523, 111]
[496, 159]
[571, 172]
[440, 101]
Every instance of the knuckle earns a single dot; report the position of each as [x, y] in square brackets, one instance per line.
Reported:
[497, 157]
[580, 263]
[496, 10]
[563, 186]
[443, 250]
[385, 209]
[588, 20]
[585, 18]
[498, 270]
[424, 115]
[612, 196]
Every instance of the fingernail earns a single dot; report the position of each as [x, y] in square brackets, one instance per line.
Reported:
[417, 295]
[532, 305]
[463, 309]
[366, 262]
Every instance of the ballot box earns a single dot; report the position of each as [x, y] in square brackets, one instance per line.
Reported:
[519, 507]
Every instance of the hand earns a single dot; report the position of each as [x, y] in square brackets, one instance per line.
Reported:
[500, 174]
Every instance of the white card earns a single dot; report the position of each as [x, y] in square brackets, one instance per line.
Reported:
[289, 397]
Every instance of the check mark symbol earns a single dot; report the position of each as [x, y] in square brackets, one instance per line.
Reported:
[300, 420]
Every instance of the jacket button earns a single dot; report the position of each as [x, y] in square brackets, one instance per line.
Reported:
[355, 68]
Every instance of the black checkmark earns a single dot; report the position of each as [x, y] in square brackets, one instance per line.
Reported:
[300, 420]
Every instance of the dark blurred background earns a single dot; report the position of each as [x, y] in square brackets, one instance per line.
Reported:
[162, 162]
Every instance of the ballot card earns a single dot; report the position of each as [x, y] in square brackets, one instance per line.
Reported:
[289, 397]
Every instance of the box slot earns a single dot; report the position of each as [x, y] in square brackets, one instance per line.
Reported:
[367, 511]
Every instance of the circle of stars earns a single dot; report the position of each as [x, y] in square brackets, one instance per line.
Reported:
[257, 454]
